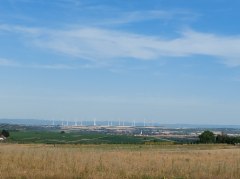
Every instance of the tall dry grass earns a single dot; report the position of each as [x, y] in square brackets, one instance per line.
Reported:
[118, 161]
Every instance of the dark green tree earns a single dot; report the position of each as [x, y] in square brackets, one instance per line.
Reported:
[207, 137]
[5, 133]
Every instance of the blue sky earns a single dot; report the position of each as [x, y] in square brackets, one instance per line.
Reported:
[169, 61]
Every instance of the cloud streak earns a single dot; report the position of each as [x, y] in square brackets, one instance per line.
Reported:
[101, 44]
[14, 64]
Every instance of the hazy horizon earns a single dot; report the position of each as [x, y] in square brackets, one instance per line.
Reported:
[169, 61]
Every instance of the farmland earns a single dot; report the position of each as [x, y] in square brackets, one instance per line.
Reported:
[55, 137]
[119, 161]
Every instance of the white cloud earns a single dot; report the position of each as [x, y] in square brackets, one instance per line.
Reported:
[98, 44]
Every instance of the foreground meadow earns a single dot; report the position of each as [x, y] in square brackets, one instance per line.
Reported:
[119, 161]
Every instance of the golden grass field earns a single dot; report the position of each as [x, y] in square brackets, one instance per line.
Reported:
[119, 161]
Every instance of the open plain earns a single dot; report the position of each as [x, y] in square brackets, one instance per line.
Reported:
[119, 161]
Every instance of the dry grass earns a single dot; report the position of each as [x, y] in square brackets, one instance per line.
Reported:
[119, 161]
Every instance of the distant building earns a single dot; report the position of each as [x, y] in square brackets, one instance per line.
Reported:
[2, 138]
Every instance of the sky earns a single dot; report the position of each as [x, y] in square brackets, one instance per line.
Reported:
[169, 61]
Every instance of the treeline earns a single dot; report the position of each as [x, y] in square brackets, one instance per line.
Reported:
[209, 137]
[227, 139]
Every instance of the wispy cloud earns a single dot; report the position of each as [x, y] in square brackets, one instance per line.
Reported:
[99, 44]
[8, 63]
[21, 29]
[15, 64]
[140, 16]
[61, 2]
[236, 79]
[61, 66]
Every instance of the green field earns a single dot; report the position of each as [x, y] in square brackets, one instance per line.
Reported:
[56, 137]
